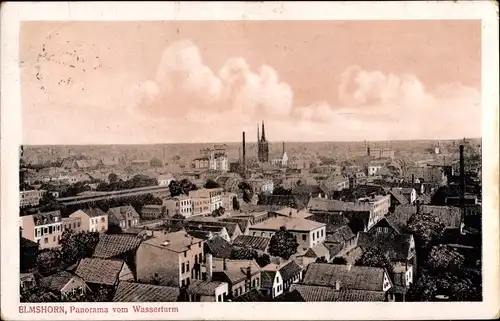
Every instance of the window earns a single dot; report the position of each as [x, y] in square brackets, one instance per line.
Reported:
[200, 257]
[304, 237]
[187, 281]
[317, 234]
[219, 298]
[314, 236]
[103, 219]
[78, 224]
[253, 283]
[187, 267]
[183, 283]
[185, 253]
[46, 240]
[183, 268]
[322, 233]
[199, 245]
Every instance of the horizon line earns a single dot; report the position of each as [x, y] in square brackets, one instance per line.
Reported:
[247, 142]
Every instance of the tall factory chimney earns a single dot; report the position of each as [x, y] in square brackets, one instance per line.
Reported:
[244, 157]
[283, 153]
[462, 177]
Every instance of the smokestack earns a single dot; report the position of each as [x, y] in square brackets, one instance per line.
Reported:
[413, 178]
[462, 177]
[244, 157]
[209, 265]
[418, 206]
[283, 148]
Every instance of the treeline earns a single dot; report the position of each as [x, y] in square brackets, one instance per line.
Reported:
[116, 184]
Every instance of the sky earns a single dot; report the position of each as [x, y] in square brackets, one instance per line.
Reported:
[207, 81]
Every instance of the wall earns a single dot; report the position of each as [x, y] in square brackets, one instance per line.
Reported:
[153, 259]
[84, 218]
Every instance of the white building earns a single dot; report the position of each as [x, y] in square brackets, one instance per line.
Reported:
[43, 228]
[165, 180]
[184, 205]
[262, 185]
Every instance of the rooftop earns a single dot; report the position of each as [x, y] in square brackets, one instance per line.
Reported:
[99, 271]
[292, 224]
[206, 288]
[254, 242]
[311, 293]
[177, 242]
[113, 245]
[137, 292]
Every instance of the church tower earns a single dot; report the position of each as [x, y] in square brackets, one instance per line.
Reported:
[263, 145]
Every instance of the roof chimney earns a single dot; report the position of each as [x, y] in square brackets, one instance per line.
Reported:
[249, 272]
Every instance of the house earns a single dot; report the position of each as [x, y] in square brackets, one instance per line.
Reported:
[258, 243]
[253, 295]
[152, 212]
[320, 251]
[218, 247]
[290, 272]
[291, 212]
[29, 281]
[206, 231]
[214, 194]
[232, 228]
[240, 275]
[348, 277]
[201, 206]
[43, 228]
[92, 219]
[262, 185]
[340, 240]
[138, 292]
[184, 205]
[207, 291]
[165, 179]
[307, 232]
[313, 293]
[123, 216]
[97, 271]
[254, 217]
[336, 183]
[410, 194]
[272, 283]
[64, 282]
[243, 223]
[30, 198]
[170, 207]
[171, 259]
[397, 198]
[71, 224]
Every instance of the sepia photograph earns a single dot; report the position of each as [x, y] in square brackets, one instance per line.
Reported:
[247, 161]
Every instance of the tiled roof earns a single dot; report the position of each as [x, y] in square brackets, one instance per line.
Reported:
[254, 242]
[27, 243]
[396, 246]
[398, 196]
[319, 250]
[342, 234]
[311, 293]
[137, 292]
[293, 224]
[99, 271]
[121, 212]
[450, 216]
[406, 190]
[251, 296]
[267, 279]
[113, 245]
[292, 212]
[350, 277]
[177, 241]
[94, 212]
[218, 247]
[334, 248]
[289, 270]
[57, 281]
[401, 216]
[206, 288]
[47, 217]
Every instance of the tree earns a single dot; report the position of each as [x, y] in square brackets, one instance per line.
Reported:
[48, 261]
[242, 253]
[112, 178]
[427, 230]
[211, 184]
[442, 257]
[247, 191]
[236, 204]
[375, 257]
[339, 260]
[280, 190]
[283, 244]
[181, 187]
[263, 260]
[76, 246]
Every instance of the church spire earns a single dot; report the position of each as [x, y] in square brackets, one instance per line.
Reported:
[263, 132]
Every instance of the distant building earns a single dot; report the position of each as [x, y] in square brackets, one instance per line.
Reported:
[262, 185]
[165, 180]
[152, 212]
[31, 197]
[213, 194]
[281, 161]
[329, 170]
[213, 159]
[263, 146]
[123, 216]
[201, 205]
[184, 205]
[71, 224]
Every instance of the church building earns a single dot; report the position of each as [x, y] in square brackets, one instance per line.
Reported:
[263, 145]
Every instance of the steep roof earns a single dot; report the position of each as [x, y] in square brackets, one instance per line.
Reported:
[311, 293]
[340, 235]
[398, 196]
[200, 287]
[289, 270]
[99, 271]
[137, 292]
[122, 212]
[317, 251]
[401, 216]
[350, 277]
[267, 279]
[236, 270]
[113, 245]
[57, 281]
[255, 242]
[218, 247]
[251, 296]
[93, 212]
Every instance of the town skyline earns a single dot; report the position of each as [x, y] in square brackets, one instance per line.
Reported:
[184, 82]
